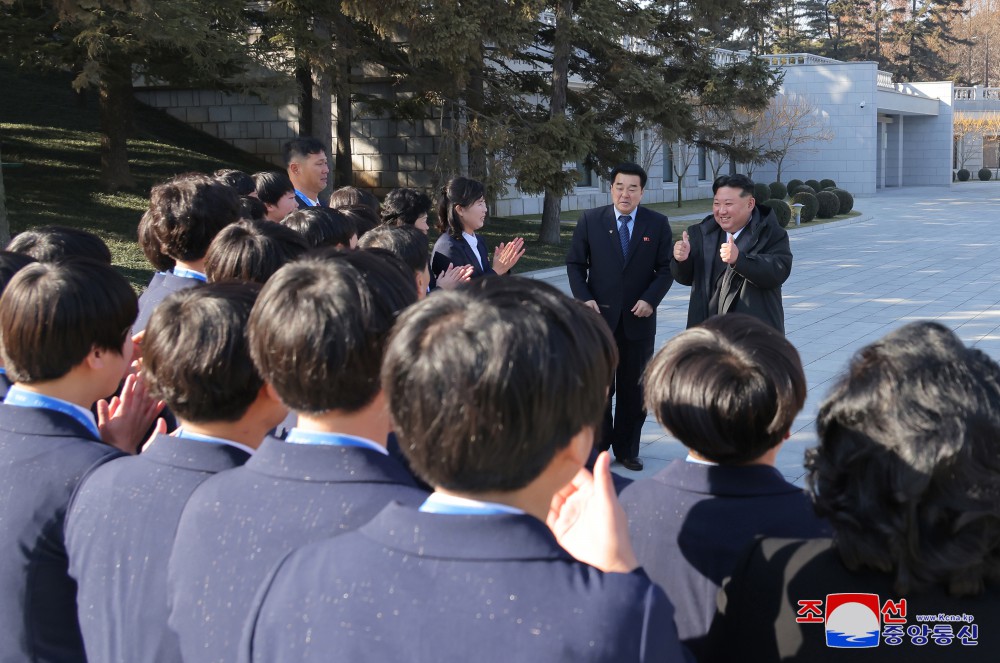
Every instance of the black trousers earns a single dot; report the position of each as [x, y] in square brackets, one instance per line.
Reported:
[622, 428]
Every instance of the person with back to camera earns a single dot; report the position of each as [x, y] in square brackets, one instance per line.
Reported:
[729, 390]
[461, 212]
[736, 259]
[906, 471]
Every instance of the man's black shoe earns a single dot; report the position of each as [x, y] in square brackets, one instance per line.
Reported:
[634, 464]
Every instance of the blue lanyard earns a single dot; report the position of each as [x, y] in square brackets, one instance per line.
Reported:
[306, 198]
[435, 504]
[189, 274]
[299, 436]
[3, 371]
[24, 398]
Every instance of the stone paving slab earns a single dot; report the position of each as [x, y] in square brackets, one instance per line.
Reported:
[916, 253]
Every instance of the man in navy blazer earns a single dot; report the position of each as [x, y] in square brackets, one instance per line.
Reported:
[120, 526]
[619, 264]
[495, 390]
[316, 335]
[729, 391]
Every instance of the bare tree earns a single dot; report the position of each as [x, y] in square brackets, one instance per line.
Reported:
[790, 121]
[684, 155]
[971, 130]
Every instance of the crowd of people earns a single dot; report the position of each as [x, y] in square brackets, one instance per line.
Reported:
[315, 438]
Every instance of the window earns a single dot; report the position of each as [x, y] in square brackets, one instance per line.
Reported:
[668, 162]
[586, 175]
[702, 163]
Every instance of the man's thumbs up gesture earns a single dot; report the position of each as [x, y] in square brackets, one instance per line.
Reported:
[729, 252]
[682, 249]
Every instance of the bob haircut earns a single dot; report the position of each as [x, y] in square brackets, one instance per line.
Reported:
[186, 213]
[318, 330]
[150, 245]
[218, 381]
[363, 217]
[405, 242]
[487, 382]
[728, 389]
[404, 207]
[53, 314]
[322, 226]
[458, 191]
[240, 181]
[252, 251]
[51, 243]
[271, 186]
[908, 465]
[252, 208]
[352, 196]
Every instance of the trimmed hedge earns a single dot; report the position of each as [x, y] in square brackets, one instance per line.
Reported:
[803, 188]
[810, 205]
[793, 185]
[781, 210]
[778, 191]
[829, 204]
[846, 200]
[814, 184]
[985, 174]
[828, 184]
[964, 175]
[761, 191]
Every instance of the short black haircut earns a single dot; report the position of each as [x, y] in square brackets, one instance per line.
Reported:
[195, 355]
[741, 182]
[322, 226]
[150, 245]
[272, 186]
[405, 242]
[629, 168]
[50, 243]
[907, 468]
[318, 330]
[53, 314]
[252, 251]
[728, 389]
[363, 217]
[486, 383]
[187, 212]
[352, 196]
[404, 207]
[11, 263]
[252, 208]
[302, 147]
[240, 181]
[458, 191]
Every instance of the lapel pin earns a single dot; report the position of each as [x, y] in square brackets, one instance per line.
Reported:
[646, 239]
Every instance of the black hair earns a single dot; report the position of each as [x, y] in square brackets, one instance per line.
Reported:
[195, 355]
[53, 314]
[318, 330]
[741, 182]
[252, 251]
[187, 212]
[11, 263]
[302, 147]
[252, 208]
[237, 179]
[629, 168]
[271, 186]
[363, 217]
[458, 191]
[405, 242]
[322, 226]
[352, 196]
[729, 389]
[908, 465]
[485, 384]
[51, 243]
[150, 245]
[404, 207]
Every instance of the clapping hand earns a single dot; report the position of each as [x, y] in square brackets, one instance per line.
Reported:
[507, 255]
[453, 277]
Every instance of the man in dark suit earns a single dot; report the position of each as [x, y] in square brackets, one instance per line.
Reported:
[121, 523]
[619, 264]
[729, 391]
[317, 334]
[474, 573]
[308, 169]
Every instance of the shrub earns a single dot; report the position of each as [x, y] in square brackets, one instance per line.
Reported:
[778, 191]
[964, 175]
[810, 205]
[761, 191]
[803, 188]
[846, 201]
[829, 204]
[793, 185]
[828, 184]
[985, 174]
[781, 210]
[829, 188]
[814, 184]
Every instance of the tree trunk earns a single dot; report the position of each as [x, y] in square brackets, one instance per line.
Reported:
[475, 99]
[342, 87]
[4, 222]
[115, 102]
[680, 180]
[303, 76]
[549, 232]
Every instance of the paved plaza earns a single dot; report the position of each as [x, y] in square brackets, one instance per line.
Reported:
[916, 253]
